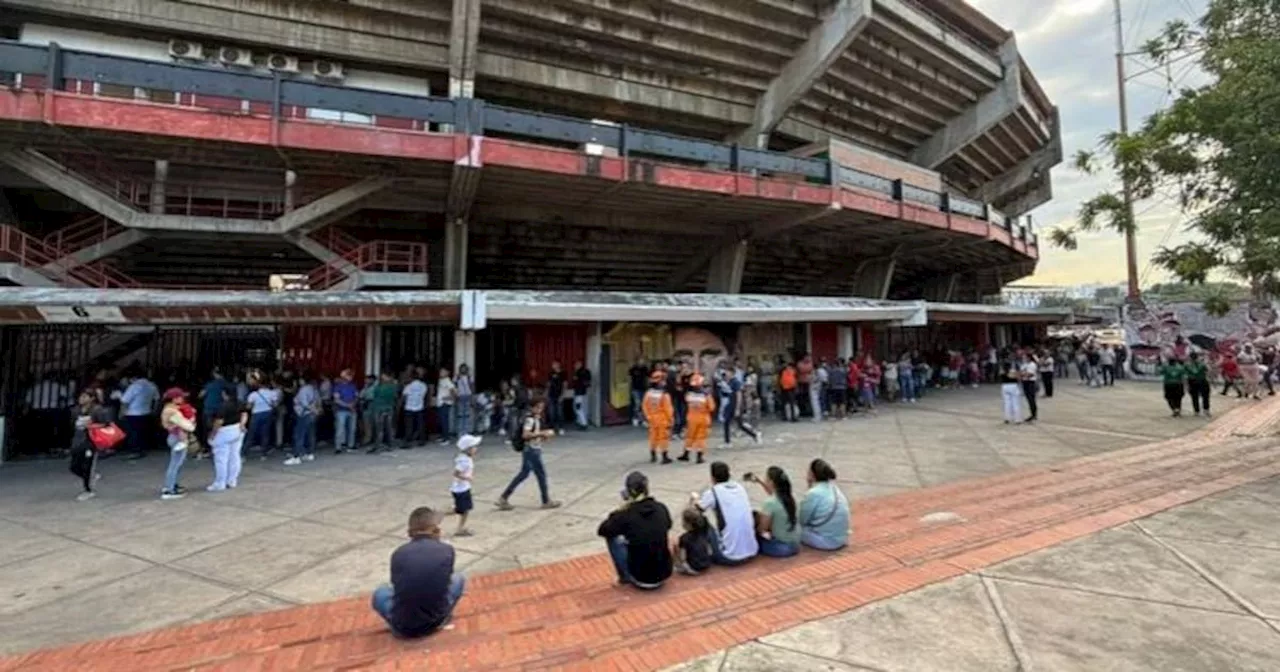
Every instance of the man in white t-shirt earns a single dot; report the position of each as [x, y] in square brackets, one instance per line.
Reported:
[415, 412]
[733, 532]
[446, 393]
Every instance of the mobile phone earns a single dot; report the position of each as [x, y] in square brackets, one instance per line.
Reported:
[748, 476]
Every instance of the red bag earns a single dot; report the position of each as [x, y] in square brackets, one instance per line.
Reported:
[105, 437]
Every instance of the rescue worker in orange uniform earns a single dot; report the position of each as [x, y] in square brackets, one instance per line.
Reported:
[701, 406]
[660, 414]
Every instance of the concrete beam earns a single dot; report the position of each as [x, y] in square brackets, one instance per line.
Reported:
[874, 277]
[27, 277]
[724, 275]
[329, 208]
[826, 42]
[464, 38]
[1036, 197]
[938, 41]
[941, 289]
[991, 109]
[99, 250]
[56, 177]
[1040, 162]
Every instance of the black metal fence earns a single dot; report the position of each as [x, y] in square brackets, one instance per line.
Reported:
[473, 116]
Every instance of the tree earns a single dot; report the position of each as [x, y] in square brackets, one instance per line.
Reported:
[1216, 147]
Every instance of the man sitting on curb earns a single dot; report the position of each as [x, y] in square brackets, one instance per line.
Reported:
[637, 536]
[424, 589]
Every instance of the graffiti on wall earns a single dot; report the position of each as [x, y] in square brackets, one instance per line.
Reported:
[1175, 329]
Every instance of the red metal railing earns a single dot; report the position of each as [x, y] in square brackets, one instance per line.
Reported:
[379, 256]
[81, 234]
[26, 250]
[337, 240]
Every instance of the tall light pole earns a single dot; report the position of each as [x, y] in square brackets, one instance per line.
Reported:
[1130, 245]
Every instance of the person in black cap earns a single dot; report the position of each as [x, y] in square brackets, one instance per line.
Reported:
[636, 535]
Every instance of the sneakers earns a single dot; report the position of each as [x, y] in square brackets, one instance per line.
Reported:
[309, 457]
[292, 462]
[503, 505]
[759, 437]
[86, 496]
[215, 488]
[171, 494]
[553, 504]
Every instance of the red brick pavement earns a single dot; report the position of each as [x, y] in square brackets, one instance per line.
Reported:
[569, 615]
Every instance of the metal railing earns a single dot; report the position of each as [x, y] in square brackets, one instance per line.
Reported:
[379, 256]
[81, 234]
[470, 116]
[28, 251]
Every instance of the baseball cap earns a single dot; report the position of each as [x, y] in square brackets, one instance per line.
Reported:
[468, 441]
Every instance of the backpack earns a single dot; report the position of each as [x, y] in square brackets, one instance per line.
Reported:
[516, 432]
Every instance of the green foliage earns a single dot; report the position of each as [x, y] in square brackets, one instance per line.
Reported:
[1217, 147]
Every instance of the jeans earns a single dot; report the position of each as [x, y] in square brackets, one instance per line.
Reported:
[1029, 391]
[777, 549]
[445, 413]
[226, 457]
[618, 553]
[465, 426]
[260, 427]
[681, 408]
[908, 384]
[530, 463]
[383, 433]
[136, 428]
[176, 460]
[580, 409]
[344, 429]
[415, 428]
[555, 412]
[1108, 374]
[717, 551]
[812, 539]
[637, 410]
[304, 439]
[1011, 395]
[384, 599]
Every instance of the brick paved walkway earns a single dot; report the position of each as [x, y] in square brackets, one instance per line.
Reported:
[569, 615]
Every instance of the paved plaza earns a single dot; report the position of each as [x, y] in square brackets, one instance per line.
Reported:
[324, 530]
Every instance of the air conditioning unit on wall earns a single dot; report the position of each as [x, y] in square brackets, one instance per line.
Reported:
[327, 69]
[237, 56]
[186, 50]
[282, 62]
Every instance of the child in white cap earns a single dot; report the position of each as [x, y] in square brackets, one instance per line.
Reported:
[463, 471]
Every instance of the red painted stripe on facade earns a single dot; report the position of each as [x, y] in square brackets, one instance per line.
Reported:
[695, 180]
[975, 227]
[783, 190]
[999, 235]
[919, 215]
[853, 200]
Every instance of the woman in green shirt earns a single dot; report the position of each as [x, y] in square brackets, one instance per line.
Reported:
[1198, 384]
[777, 525]
[1174, 375]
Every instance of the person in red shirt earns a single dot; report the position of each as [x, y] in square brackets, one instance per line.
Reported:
[808, 389]
[855, 383]
[870, 382]
[1231, 374]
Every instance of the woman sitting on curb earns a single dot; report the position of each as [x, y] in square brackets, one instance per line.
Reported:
[824, 513]
[777, 529]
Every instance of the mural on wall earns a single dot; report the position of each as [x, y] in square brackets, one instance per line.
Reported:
[1152, 330]
[703, 348]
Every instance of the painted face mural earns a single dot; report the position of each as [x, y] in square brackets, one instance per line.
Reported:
[1176, 329]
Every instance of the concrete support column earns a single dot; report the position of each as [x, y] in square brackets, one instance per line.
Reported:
[464, 350]
[874, 278]
[845, 345]
[290, 179]
[158, 187]
[464, 35]
[596, 364]
[991, 109]
[724, 275]
[455, 254]
[373, 349]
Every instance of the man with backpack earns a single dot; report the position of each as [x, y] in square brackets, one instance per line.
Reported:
[528, 442]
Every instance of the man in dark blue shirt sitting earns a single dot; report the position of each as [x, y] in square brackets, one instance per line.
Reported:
[424, 589]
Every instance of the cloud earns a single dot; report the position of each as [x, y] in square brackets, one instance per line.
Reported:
[1070, 46]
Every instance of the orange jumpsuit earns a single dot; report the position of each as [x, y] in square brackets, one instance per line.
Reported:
[701, 406]
[658, 413]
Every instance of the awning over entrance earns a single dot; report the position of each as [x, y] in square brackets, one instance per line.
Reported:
[979, 312]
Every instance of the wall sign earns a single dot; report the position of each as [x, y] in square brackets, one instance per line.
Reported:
[82, 314]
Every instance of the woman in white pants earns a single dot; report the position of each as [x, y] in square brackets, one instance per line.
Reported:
[1011, 392]
[226, 440]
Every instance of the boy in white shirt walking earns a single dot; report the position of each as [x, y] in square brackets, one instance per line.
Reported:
[463, 472]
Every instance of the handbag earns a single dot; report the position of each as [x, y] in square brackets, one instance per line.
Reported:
[105, 436]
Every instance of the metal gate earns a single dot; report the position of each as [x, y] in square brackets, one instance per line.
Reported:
[428, 346]
[499, 354]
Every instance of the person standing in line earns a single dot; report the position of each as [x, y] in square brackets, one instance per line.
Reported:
[749, 415]
[1267, 362]
[210, 402]
[1048, 369]
[178, 418]
[529, 444]
[890, 369]
[262, 419]
[1198, 384]
[228, 435]
[306, 407]
[345, 398]
[700, 406]
[414, 399]
[139, 402]
[768, 387]
[466, 391]
[1174, 376]
[638, 376]
[788, 384]
[822, 382]
[907, 378]
[1082, 365]
[555, 398]
[1122, 357]
[581, 383]
[658, 411]
[446, 394]
[1011, 391]
[1093, 359]
[870, 382]
[808, 390]
[382, 406]
[838, 389]
[677, 385]
[1107, 358]
[84, 455]
[991, 364]
[1029, 374]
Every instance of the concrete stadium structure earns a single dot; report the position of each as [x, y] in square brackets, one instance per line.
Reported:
[880, 149]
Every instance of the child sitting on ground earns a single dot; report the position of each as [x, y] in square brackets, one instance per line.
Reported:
[693, 551]
[463, 473]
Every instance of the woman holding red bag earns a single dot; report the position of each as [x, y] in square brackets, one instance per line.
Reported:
[84, 455]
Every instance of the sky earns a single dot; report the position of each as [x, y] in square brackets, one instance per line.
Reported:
[1070, 46]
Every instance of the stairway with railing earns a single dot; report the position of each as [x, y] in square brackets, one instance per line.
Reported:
[379, 256]
[19, 247]
[80, 234]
